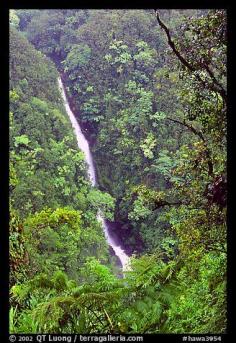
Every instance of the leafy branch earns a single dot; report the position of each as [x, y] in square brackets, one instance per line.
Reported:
[215, 85]
[200, 135]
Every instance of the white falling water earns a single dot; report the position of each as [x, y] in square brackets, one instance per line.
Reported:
[120, 253]
[84, 146]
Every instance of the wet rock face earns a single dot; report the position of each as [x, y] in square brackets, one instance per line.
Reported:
[124, 236]
[216, 192]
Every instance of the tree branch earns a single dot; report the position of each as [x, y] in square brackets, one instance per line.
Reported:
[190, 127]
[200, 135]
[215, 86]
[89, 308]
[109, 319]
[172, 45]
[166, 203]
[221, 89]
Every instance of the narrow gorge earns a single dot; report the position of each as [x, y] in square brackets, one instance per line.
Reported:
[84, 147]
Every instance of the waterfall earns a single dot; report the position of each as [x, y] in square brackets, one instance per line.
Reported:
[84, 147]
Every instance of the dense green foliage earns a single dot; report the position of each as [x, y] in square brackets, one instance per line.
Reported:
[149, 89]
[48, 173]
